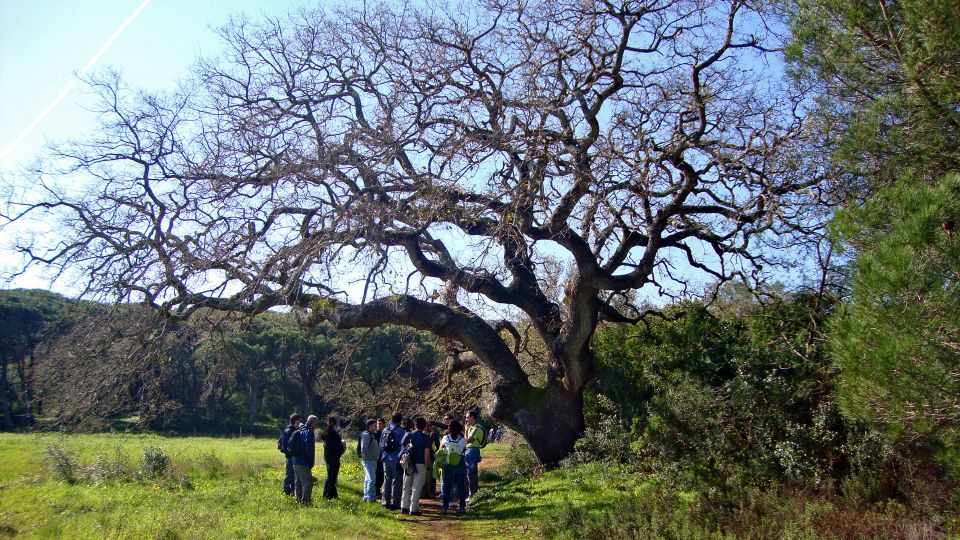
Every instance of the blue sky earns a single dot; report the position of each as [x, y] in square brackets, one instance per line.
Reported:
[44, 43]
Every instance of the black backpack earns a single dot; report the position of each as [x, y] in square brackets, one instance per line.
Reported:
[284, 438]
[483, 436]
[295, 444]
[392, 445]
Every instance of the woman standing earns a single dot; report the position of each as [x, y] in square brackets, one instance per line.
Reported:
[333, 448]
[454, 472]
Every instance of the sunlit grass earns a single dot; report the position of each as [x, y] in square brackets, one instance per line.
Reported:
[232, 491]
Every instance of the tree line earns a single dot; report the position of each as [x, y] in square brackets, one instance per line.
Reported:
[84, 365]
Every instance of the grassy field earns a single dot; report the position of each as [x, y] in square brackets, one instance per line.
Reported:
[100, 486]
[223, 488]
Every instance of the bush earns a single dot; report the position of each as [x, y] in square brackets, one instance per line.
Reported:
[212, 465]
[63, 462]
[154, 463]
[106, 468]
[521, 461]
[606, 438]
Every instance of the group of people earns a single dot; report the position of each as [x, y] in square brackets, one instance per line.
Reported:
[403, 460]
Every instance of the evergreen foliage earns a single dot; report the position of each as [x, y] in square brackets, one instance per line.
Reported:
[886, 77]
[898, 340]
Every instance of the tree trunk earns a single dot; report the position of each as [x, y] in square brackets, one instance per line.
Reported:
[307, 400]
[550, 419]
[6, 415]
[254, 398]
[29, 391]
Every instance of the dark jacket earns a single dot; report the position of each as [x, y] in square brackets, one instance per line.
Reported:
[284, 438]
[309, 448]
[333, 446]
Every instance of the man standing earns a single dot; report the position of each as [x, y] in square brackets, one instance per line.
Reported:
[303, 447]
[369, 456]
[290, 477]
[471, 455]
[390, 454]
[418, 444]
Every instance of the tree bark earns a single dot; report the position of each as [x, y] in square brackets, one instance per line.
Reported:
[550, 419]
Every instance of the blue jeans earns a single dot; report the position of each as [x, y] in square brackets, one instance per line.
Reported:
[392, 484]
[369, 479]
[290, 478]
[472, 457]
[454, 477]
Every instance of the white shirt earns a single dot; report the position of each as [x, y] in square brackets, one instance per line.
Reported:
[447, 442]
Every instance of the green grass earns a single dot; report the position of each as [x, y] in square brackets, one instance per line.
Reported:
[517, 507]
[230, 488]
[233, 491]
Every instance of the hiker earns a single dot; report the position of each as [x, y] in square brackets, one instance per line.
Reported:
[368, 450]
[390, 454]
[435, 430]
[416, 445]
[475, 441]
[333, 448]
[452, 447]
[290, 477]
[302, 445]
[381, 425]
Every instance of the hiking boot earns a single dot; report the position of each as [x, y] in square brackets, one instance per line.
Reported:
[404, 511]
[416, 513]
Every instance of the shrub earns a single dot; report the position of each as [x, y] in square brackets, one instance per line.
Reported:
[606, 438]
[521, 461]
[63, 462]
[107, 467]
[212, 465]
[154, 462]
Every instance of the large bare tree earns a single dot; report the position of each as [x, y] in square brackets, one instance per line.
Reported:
[442, 156]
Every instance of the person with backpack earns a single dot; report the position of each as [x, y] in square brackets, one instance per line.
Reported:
[453, 445]
[290, 477]
[381, 425]
[435, 431]
[390, 454]
[368, 450]
[333, 449]
[476, 439]
[416, 461]
[302, 446]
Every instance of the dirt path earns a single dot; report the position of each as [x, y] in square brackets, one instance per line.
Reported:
[432, 524]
